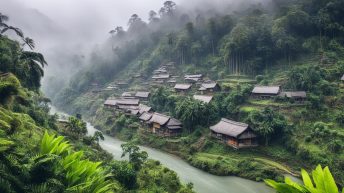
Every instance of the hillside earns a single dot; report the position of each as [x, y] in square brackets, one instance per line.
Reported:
[298, 45]
[40, 152]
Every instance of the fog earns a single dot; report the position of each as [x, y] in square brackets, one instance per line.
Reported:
[66, 31]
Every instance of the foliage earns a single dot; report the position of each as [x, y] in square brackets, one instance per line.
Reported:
[136, 157]
[321, 181]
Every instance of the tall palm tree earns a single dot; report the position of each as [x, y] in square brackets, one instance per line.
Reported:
[35, 62]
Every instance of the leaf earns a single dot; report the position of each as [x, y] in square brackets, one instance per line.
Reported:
[330, 184]
[306, 179]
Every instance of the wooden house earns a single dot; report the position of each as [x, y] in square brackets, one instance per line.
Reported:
[144, 108]
[193, 78]
[299, 96]
[265, 91]
[161, 77]
[208, 88]
[142, 95]
[203, 98]
[235, 134]
[172, 82]
[122, 103]
[182, 88]
[164, 125]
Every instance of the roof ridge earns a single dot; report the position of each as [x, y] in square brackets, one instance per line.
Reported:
[234, 122]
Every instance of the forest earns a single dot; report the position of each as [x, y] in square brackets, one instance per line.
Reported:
[297, 46]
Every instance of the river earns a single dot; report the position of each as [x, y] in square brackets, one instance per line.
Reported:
[203, 182]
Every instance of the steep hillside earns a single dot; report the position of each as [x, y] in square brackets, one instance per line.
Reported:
[298, 45]
[34, 157]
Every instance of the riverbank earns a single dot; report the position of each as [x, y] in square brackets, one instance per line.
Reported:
[198, 149]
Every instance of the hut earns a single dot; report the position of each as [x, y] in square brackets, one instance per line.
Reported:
[208, 88]
[299, 96]
[203, 98]
[235, 134]
[265, 91]
[182, 88]
[122, 103]
[144, 108]
[193, 78]
[127, 94]
[142, 95]
[164, 125]
[161, 77]
[172, 82]
[144, 117]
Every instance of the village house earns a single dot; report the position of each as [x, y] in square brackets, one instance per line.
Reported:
[142, 95]
[127, 94]
[265, 91]
[182, 88]
[235, 134]
[193, 78]
[144, 108]
[122, 84]
[122, 103]
[161, 78]
[164, 125]
[299, 96]
[203, 98]
[210, 87]
[144, 118]
[172, 82]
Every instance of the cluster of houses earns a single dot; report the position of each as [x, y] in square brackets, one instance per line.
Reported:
[159, 124]
[234, 134]
[266, 92]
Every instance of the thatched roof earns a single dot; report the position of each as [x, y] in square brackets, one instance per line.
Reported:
[122, 101]
[174, 124]
[230, 128]
[206, 86]
[182, 86]
[159, 118]
[203, 98]
[145, 116]
[142, 94]
[193, 76]
[110, 102]
[161, 76]
[127, 94]
[266, 90]
[294, 94]
[144, 108]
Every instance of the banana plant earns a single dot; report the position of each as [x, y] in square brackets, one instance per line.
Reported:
[321, 181]
[80, 174]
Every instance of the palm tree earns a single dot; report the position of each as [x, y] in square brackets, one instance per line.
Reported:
[4, 27]
[29, 42]
[35, 62]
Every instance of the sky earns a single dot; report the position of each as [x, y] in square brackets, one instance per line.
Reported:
[65, 28]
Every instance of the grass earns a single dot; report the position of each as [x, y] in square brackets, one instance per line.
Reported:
[275, 164]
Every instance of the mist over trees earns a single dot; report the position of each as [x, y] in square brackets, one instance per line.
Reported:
[245, 41]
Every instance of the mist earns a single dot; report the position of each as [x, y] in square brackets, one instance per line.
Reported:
[66, 31]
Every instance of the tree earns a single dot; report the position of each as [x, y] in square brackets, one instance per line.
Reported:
[29, 42]
[152, 16]
[76, 126]
[266, 123]
[35, 62]
[98, 136]
[136, 157]
[322, 182]
[168, 8]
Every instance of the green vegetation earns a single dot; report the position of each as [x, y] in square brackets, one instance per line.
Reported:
[322, 182]
[34, 157]
[299, 46]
